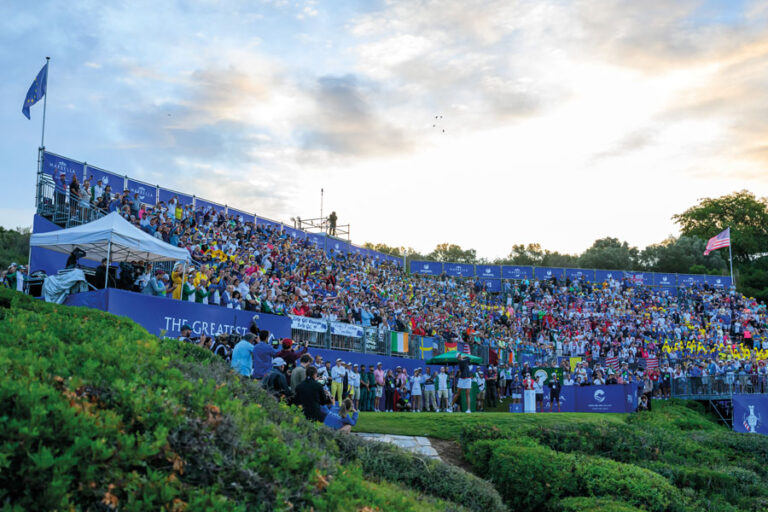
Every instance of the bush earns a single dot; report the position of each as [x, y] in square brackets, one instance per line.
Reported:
[530, 477]
[582, 504]
[431, 477]
[99, 415]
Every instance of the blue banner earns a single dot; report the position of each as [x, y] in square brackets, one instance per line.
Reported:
[294, 233]
[616, 398]
[166, 195]
[337, 246]
[247, 217]
[491, 285]
[273, 224]
[115, 181]
[750, 414]
[202, 203]
[640, 278]
[429, 268]
[515, 272]
[580, 273]
[162, 314]
[670, 290]
[488, 271]
[719, 281]
[147, 193]
[317, 238]
[548, 273]
[664, 279]
[459, 269]
[601, 276]
[690, 280]
[54, 165]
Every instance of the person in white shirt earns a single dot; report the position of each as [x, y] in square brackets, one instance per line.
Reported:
[337, 381]
[443, 391]
[354, 384]
[416, 382]
[567, 380]
[480, 381]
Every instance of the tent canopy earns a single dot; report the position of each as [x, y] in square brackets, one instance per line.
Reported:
[110, 235]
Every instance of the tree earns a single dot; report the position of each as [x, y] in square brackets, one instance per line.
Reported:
[384, 248]
[531, 254]
[453, 253]
[14, 246]
[683, 255]
[746, 215]
[610, 253]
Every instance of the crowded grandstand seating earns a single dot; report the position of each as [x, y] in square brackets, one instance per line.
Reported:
[270, 268]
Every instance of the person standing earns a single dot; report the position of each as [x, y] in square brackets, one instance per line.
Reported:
[430, 404]
[311, 396]
[363, 388]
[443, 391]
[371, 404]
[389, 391]
[337, 380]
[481, 387]
[299, 374]
[242, 356]
[465, 382]
[354, 385]
[379, 374]
[262, 354]
[554, 391]
[416, 391]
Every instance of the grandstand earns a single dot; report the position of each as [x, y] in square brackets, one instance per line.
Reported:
[348, 300]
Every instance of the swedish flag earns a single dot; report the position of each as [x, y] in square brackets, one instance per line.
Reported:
[36, 90]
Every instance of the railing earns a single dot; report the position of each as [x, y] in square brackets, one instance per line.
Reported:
[62, 209]
[718, 387]
[376, 340]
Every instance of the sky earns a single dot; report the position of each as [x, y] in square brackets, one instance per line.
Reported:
[558, 122]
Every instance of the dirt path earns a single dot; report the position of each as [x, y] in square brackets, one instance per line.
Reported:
[450, 452]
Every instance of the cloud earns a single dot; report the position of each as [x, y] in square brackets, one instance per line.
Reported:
[344, 121]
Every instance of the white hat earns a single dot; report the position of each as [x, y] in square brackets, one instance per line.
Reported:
[278, 361]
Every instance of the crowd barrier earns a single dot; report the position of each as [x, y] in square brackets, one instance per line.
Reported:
[718, 386]
[52, 165]
[491, 276]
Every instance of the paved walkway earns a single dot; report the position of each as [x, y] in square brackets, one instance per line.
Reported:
[412, 444]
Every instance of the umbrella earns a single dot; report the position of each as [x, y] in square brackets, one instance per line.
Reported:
[451, 358]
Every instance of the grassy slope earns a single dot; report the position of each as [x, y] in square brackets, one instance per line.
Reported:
[98, 414]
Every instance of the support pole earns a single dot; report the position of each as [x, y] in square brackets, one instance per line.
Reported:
[109, 254]
[183, 281]
[45, 101]
[730, 256]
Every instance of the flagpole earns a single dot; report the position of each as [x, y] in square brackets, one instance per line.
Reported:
[730, 255]
[45, 102]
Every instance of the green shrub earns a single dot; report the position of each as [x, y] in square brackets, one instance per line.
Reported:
[581, 504]
[99, 415]
[431, 477]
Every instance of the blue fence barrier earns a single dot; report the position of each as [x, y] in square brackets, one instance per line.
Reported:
[490, 273]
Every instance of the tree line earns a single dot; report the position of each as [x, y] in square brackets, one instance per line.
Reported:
[745, 214]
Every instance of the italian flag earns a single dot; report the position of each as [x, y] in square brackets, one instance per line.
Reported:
[399, 341]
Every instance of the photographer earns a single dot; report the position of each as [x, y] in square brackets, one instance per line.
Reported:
[186, 332]
[275, 382]
[262, 354]
[312, 397]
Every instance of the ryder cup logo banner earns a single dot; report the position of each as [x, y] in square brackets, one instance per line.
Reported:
[488, 271]
[580, 273]
[664, 280]
[428, 268]
[459, 269]
[750, 413]
[511, 272]
[599, 396]
[549, 273]
[94, 174]
[719, 281]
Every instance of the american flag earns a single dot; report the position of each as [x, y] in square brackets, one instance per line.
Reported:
[652, 363]
[719, 241]
[612, 362]
[465, 349]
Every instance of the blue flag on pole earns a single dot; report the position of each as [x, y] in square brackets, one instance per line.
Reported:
[36, 90]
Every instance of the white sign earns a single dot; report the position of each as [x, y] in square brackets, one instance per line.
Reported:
[308, 324]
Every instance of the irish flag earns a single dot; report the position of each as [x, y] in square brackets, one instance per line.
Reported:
[399, 341]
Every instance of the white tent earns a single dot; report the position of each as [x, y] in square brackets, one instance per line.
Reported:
[110, 237]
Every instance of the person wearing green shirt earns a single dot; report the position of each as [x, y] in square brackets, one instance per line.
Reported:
[364, 388]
